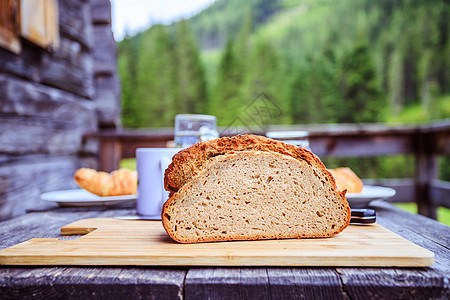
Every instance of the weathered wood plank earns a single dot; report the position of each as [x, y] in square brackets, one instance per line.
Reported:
[227, 283]
[440, 192]
[426, 170]
[106, 100]
[110, 155]
[69, 68]
[285, 283]
[311, 283]
[101, 11]
[27, 135]
[440, 141]
[92, 283]
[75, 21]
[24, 179]
[39, 119]
[361, 145]
[349, 129]
[20, 97]
[397, 283]
[104, 53]
[33, 170]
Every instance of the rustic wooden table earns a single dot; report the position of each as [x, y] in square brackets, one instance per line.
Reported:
[225, 283]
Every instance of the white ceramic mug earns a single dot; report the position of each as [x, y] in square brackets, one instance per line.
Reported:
[151, 164]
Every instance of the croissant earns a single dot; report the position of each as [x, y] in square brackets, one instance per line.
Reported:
[346, 179]
[119, 182]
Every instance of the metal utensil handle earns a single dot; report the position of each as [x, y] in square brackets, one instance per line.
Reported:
[363, 216]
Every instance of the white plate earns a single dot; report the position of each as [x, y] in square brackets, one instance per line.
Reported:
[81, 197]
[368, 194]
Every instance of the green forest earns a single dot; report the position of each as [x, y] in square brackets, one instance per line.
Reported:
[318, 61]
[348, 61]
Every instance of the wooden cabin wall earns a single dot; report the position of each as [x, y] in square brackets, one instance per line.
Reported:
[50, 99]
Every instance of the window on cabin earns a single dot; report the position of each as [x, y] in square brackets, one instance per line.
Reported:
[8, 22]
[34, 20]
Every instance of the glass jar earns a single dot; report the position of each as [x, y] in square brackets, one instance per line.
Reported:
[191, 129]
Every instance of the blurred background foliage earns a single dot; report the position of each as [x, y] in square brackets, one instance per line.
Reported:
[321, 61]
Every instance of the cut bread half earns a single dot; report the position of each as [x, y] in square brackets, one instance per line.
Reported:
[252, 195]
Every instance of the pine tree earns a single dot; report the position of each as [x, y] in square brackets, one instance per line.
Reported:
[156, 76]
[360, 88]
[299, 98]
[127, 62]
[315, 89]
[264, 77]
[230, 94]
[227, 102]
[190, 74]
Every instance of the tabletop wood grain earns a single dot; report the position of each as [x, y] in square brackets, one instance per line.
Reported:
[225, 283]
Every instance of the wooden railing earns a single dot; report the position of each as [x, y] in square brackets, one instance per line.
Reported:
[425, 142]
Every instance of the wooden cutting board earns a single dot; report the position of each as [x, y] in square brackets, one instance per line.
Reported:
[131, 242]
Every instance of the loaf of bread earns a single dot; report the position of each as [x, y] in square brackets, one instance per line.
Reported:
[250, 188]
[119, 182]
[346, 179]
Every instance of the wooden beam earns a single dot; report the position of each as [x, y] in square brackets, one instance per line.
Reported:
[440, 193]
[110, 154]
[426, 165]
[361, 145]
